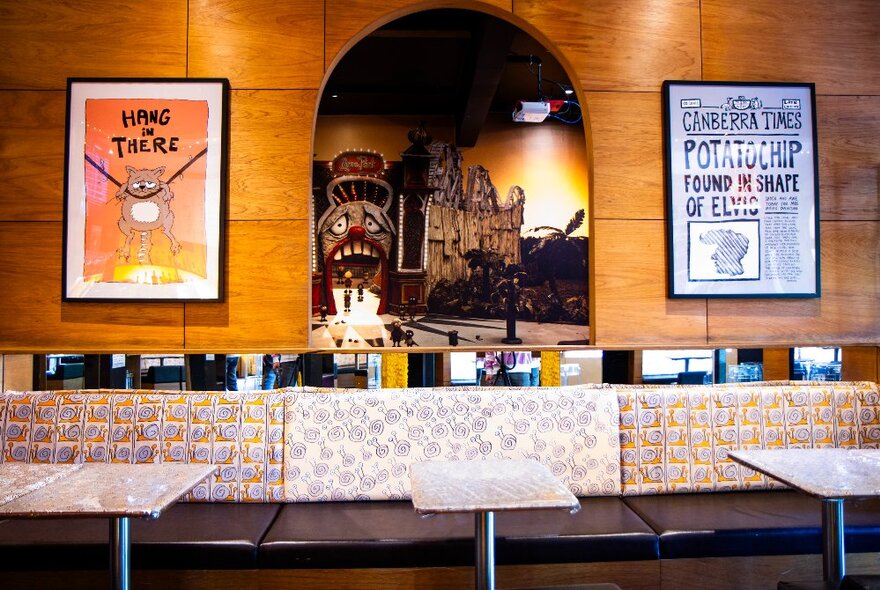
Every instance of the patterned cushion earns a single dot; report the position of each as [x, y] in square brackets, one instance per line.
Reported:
[728, 385]
[316, 444]
[676, 439]
[241, 432]
[867, 415]
[359, 446]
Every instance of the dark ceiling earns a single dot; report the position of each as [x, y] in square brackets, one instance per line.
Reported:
[442, 62]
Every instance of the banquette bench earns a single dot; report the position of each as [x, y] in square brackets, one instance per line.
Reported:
[312, 487]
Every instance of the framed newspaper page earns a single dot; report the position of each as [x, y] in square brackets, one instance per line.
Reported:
[742, 189]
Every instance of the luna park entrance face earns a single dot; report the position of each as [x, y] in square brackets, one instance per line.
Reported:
[356, 238]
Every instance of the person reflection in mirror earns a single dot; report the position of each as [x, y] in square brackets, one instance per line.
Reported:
[517, 366]
[232, 372]
[289, 365]
[271, 368]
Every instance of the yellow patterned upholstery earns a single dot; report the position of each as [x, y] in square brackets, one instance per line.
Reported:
[241, 432]
[676, 439]
[672, 438]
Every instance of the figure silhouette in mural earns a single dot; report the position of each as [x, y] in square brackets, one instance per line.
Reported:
[453, 337]
[409, 338]
[730, 248]
[396, 333]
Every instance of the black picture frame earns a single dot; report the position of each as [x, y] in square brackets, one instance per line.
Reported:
[741, 189]
[145, 189]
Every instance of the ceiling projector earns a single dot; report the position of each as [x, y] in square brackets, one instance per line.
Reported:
[531, 112]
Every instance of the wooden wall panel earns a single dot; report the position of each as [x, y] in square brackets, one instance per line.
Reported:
[346, 19]
[776, 361]
[17, 372]
[270, 154]
[860, 363]
[257, 43]
[627, 151]
[754, 572]
[44, 43]
[32, 155]
[275, 54]
[34, 319]
[630, 293]
[829, 42]
[846, 313]
[622, 44]
[849, 156]
[268, 281]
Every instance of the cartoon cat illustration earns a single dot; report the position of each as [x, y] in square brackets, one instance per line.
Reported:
[146, 205]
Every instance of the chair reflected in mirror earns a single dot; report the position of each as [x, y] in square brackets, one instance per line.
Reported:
[693, 378]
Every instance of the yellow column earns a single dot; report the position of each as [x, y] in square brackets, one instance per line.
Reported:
[395, 367]
[550, 375]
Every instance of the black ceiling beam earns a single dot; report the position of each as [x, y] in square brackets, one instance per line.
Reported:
[382, 103]
[420, 34]
[492, 47]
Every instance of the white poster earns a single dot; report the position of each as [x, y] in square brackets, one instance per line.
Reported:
[741, 189]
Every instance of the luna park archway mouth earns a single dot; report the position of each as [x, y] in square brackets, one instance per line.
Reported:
[351, 253]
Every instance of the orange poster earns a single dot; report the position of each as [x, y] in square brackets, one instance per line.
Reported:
[144, 191]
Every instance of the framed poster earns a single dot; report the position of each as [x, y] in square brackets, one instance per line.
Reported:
[742, 189]
[145, 189]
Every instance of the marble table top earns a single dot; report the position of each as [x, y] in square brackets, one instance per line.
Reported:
[18, 479]
[825, 473]
[108, 490]
[487, 485]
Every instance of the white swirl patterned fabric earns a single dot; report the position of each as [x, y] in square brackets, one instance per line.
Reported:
[676, 439]
[359, 446]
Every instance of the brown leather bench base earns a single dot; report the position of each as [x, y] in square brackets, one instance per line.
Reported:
[186, 536]
[213, 536]
[726, 524]
[860, 582]
[392, 534]
[792, 585]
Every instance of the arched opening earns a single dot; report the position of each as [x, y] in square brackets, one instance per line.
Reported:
[450, 190]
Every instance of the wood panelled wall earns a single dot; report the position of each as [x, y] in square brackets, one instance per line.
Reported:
[276, 55]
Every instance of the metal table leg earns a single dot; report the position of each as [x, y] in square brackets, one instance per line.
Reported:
[833, 552]
[120, 552]
[485, 544]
